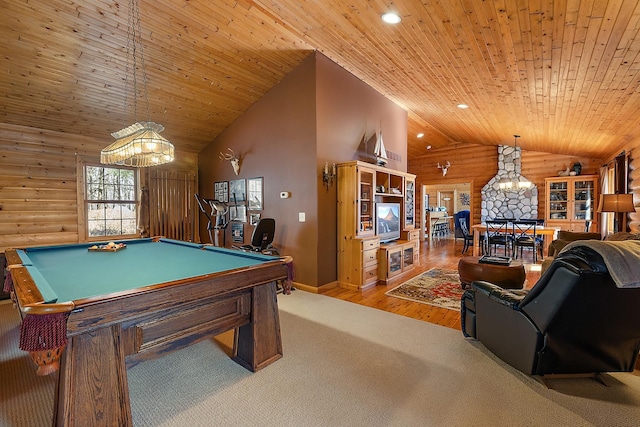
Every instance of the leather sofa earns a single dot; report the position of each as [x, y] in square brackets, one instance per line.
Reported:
[566, 237]
[575, 320]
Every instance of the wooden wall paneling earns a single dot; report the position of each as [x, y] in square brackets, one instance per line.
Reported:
[537, 166]
[38, 188]
[562, 74]
[472, 163]
[41, 192]
[477, 164]
[172, 203]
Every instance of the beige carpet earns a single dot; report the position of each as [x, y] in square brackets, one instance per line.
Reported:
[346, 365]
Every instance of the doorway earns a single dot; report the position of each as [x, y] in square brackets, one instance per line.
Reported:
[448, 200]
[452, 197]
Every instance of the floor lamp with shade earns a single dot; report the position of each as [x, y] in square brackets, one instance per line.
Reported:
[617, 203]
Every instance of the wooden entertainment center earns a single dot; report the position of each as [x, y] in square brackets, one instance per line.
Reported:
[364, 261]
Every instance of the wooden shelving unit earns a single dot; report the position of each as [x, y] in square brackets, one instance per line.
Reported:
[395, 259]
[571, 201]
[360, 186]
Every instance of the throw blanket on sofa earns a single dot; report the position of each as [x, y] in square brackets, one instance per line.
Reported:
[622, 259]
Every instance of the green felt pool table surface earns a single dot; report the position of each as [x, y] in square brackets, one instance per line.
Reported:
[72, 272]
[111, 310]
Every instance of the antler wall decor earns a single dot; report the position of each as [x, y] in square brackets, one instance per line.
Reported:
[231, 156]
[444, 167]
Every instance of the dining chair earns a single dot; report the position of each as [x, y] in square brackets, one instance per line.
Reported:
[526, 236]
[468, 237]
[499, 232]
[458, 234]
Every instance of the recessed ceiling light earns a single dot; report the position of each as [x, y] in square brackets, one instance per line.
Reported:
[420, 135]
[428, 147]
[391, 18]
[463, 106]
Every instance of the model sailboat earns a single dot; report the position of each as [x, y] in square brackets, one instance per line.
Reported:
[379, 151]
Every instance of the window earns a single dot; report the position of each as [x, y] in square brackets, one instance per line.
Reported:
[110, 201]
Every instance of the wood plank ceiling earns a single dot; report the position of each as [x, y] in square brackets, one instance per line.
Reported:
[562, 74]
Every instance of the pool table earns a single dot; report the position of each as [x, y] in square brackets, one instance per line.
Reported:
[116, 308]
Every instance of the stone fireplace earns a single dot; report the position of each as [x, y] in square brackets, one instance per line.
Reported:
[516, 202]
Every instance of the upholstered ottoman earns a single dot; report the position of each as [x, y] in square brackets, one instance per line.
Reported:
[510, 276]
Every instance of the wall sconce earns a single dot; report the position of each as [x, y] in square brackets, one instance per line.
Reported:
[444, 167]
[328, 174]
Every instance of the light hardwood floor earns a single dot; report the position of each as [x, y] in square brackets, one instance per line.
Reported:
[442, 253]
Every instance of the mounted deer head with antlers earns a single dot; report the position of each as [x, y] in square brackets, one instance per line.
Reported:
[231, 156]
[444, 167]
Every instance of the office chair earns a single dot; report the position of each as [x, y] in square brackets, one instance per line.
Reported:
[262, 238]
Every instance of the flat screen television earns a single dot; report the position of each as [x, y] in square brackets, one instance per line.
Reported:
[388, 221]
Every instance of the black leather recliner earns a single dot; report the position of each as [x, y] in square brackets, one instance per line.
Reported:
[573, 321]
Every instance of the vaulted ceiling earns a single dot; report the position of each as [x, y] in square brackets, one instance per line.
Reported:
[564, 75]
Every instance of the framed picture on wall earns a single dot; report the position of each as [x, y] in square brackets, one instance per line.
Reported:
[237, 190]
[237, 232]
[221, 191]
[238, 213]
[254, 218]
[464, 200]
[254, 190]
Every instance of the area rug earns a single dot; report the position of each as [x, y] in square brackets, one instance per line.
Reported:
[438, 287]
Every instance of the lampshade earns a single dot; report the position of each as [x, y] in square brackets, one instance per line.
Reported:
[616, 203]
[138, 145]
[515, 183]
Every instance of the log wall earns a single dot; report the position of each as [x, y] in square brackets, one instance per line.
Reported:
[633, 147]
[38, 180]
[634, 188]
[39, 185]
[477, 164]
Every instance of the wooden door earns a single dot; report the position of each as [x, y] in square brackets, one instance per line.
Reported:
[448, 201]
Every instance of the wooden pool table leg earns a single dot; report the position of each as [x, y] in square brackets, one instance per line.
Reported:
[48, 361]
[259, 343]
[92, 385]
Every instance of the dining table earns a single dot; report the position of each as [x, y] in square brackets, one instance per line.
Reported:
[548, 235]
[437, 224]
